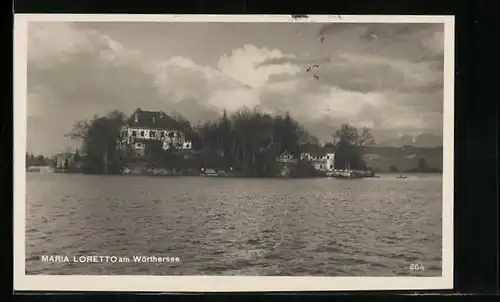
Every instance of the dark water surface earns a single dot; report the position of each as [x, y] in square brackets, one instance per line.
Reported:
[234, 226]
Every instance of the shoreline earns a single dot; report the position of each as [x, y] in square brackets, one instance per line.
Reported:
[378, 175]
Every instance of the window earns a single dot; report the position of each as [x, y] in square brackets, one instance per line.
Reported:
[142, 133]
[152, 134]
[328, 157]
[171, 134]
[331, 166]
[134, 133]
[162, 134]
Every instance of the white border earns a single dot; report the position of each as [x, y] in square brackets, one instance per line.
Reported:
[238, 283]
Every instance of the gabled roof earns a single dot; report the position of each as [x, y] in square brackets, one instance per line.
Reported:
[153, 120]
[315, 150]
[64, 154]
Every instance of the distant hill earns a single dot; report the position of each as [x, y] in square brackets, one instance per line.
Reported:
[423, 140]
[404, 159]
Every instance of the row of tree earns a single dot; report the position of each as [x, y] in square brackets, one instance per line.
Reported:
[36, 160]
[247, 141]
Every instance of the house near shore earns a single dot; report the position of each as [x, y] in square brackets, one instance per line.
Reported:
[68, 161]
[64, 160]
[322, 158]
[144, 128]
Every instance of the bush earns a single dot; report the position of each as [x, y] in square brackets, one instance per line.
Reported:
[305, 169]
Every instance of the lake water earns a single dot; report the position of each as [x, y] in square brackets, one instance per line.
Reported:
[235, 226]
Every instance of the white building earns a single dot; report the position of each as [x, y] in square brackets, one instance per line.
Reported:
[64, 159]
[144, 127]
[68, 160]
[322, 158]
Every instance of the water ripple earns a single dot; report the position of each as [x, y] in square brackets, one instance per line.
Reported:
[321, 227]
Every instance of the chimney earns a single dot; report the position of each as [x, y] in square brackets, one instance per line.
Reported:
[136, 118]
[154, 119]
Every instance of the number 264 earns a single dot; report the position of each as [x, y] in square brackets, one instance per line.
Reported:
[416, 267]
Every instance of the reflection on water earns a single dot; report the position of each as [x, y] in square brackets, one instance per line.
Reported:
[232, 226]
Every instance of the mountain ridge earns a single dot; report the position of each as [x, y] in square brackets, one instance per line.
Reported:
[386, 158]
[421, 140]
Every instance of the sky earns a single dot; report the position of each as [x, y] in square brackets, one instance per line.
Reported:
[388, 77]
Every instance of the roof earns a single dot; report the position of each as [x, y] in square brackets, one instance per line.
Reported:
[64, 154]
[315, 150]
[153, 120]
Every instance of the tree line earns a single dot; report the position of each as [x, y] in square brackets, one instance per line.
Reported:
[246, 141]
[37, 160]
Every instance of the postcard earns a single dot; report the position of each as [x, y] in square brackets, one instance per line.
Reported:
[228, 153]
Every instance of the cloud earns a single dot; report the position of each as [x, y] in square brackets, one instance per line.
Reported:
[415, 42]
[294, 60]
[75, 72]
[246, 58]
[365, 73]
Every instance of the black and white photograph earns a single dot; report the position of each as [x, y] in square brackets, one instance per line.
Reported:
[233, 153]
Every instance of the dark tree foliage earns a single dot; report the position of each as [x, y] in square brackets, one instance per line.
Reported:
[99, 138]
[245, 142]
[422, 165]
[305, 169]
[37, 160]
[393, 169]
[349, 142]
[77, 155]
